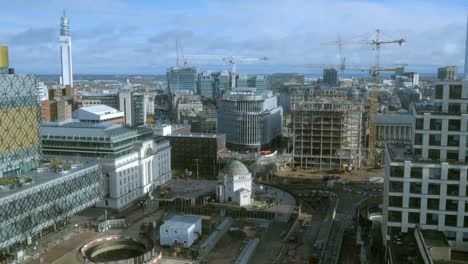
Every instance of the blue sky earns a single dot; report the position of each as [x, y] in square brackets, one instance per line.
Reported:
[117, 36]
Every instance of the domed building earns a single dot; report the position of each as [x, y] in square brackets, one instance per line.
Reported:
[234, 184]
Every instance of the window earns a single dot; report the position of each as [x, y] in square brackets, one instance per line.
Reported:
[419, 123]
[439, 91]
[453, 174]
[397, 171]
[434, 140]
[452, 189]
[415, 202]
[394, 216]
[454, 108]
[452, 155]
[436, 124]
[433, 204]
[434, 154]
[466, 222]
[416, 172]
[434, 189]
[396, 186]
[415, 187]
[413, 218]
[455, 91]
[451, 205]
[451, 220]
[453, 140]
[395, 201]
[454, 125]
[418, 139]
[434, 173]
[432, 219]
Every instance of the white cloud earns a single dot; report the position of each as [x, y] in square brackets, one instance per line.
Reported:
[107, 32]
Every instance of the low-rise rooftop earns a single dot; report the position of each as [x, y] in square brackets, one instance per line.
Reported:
[42, 175]
[181, 222]
[395, 119]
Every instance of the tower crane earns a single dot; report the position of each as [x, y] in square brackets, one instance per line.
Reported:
[233, 60]
[375, 74]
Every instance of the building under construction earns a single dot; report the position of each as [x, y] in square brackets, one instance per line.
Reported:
[326, 133]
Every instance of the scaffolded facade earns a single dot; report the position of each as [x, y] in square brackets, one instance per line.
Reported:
[326, 133]
[49, 199]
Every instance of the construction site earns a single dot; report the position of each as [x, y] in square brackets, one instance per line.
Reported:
[327, 133]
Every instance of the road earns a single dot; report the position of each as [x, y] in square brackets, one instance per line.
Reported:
[349, 197]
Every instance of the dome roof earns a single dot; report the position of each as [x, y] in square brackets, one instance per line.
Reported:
[235, 167]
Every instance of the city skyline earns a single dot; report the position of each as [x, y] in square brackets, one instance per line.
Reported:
[138, 37]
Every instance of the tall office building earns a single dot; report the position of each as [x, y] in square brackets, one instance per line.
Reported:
[251, 120]
[182, 78]
[19, 120]
[448, 73]
[223, 82]
[242, 81]
[466, 51]
[330, 76]
[207, 85]
[133, 105]
[426, 181]
[260, 83]
[66, 52]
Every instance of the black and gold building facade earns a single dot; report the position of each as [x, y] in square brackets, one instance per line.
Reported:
[19, 124]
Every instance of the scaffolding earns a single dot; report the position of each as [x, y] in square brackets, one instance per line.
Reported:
[326, 133]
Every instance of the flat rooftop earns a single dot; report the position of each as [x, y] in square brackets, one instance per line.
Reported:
[40, 178]
[181, 222]
[395, 119]
[434, 238]
[196, 135]
[108, 132]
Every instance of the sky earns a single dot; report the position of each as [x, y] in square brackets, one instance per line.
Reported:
[139, 36]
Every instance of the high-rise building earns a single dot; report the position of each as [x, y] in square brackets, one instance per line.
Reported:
[19, 120]
[207, 85]
[326, 132]
[66, 52]
[426, 182]
[466, 51]
[260, 83]
[242, 81]
[42, 91]
[182, 78]
[251, 120]
[133, 105]
[330, 76]
[33, 200]
[448, 73]
[222, 82]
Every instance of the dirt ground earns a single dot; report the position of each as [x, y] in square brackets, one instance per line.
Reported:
[227, 249]
[355, 175]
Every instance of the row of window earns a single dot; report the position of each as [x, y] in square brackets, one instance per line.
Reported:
[453, 174]
[432, 203]
[431, 219]
[436, 140]
[436, 124]
[432, 188]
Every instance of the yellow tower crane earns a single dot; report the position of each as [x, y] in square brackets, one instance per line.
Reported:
[375, 74]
